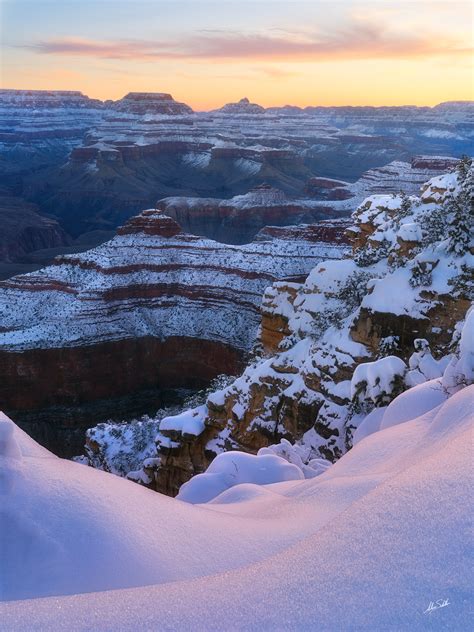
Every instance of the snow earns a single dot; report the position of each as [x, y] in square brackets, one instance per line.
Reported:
[367, 545]
[410, 232]
[422, 365]
[233, 468]
[369, 425]
[373, 380]
[460, 370]
[413, 403]
[298, 454]
[189, 422]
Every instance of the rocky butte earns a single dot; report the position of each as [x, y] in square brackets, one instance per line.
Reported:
[105, 333]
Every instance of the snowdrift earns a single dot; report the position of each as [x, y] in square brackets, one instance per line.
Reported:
[368, 544]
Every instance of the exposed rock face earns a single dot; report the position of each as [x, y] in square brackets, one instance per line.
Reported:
[94, 165]
[328, 189]
[241, 107]
[441, 163]
[24, 230]
[393, 178]
[238, 220]
[46, 99]
[152, 309]
[150, 103]
[385, 307]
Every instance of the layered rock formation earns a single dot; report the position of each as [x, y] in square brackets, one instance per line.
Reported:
[241, 107]
[391, 312]
[150, 103]
[237, 220]
[126, 154]
[24, 230]
[46, 99]
[102, 334]
[39, 128]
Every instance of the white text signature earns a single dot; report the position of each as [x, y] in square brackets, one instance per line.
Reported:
[435, 605]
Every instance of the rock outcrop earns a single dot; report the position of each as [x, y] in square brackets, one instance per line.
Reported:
[24, 230]
[241, 107]
[151, 310]
[238, 220]
[150, 103]
[391, 311]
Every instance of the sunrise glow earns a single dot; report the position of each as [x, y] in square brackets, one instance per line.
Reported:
[209, 53]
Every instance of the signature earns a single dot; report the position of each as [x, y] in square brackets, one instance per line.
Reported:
[435, 605]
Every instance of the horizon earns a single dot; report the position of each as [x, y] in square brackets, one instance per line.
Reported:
[251, 100]
[333, 54]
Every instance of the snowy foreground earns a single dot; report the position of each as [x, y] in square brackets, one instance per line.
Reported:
[366, 545]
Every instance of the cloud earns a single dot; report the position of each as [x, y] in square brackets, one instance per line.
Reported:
[357, 40]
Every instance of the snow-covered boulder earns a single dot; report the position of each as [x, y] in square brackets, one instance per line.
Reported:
[233, 468]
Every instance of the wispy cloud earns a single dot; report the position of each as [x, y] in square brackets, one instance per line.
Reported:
[358, 40]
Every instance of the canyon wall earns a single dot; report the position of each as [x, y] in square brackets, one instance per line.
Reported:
[152, 310]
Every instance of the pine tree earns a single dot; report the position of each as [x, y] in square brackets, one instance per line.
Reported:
[405, 206]
[460, 211]
[462, 168]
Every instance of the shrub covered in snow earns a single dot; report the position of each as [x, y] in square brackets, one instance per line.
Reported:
[120, 447]
[460, 371]
[378, 382]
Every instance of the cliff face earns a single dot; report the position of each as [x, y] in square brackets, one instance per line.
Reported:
[24, 230]
[391, 312]
[152, 309]
[39, 128]
[239, 219]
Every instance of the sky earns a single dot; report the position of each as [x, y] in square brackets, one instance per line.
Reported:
[314, 52]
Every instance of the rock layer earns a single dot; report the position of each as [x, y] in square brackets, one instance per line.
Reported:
[238, 220]
[154, 308]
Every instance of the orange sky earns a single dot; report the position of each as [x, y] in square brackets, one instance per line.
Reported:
[207, 53]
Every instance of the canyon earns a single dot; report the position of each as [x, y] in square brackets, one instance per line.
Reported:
[336, 348]
[238, 198]
[114, 331]
[91, 165]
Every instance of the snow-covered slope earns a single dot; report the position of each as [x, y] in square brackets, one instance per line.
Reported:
[367, 545]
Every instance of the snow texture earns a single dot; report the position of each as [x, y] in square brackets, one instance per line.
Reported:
[365, 546]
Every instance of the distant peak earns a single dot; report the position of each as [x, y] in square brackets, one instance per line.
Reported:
[148, 96]
[244, 106]
[150, 103]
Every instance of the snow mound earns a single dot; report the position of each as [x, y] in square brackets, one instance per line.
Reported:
[365, 546]
[233, 468]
